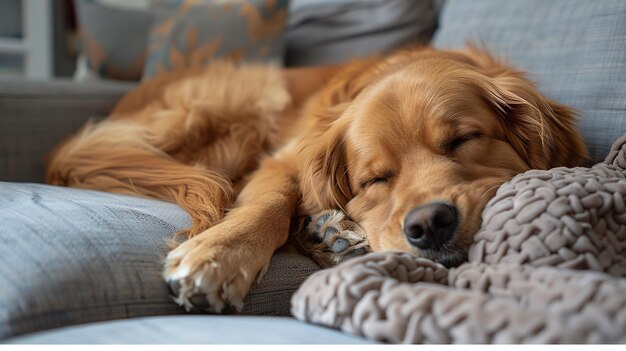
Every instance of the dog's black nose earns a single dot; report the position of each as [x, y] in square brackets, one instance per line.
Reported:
[430, 226]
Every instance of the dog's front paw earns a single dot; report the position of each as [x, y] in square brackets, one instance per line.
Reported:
[209, 276]
[330, 238]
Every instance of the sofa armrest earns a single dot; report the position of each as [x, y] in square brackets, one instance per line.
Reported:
[36, 115]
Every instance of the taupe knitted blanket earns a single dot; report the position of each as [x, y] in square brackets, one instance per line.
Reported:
[547, 266]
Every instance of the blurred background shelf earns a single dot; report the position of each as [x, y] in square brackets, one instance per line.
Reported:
[12, 46]
[34, 38]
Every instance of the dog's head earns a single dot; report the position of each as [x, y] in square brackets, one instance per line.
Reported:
[413, 147]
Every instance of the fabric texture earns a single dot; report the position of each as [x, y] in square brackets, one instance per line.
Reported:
[193, 330]
[36, 116]
[575, 50]
[547, 266]
[71, 256]
[102, 23]
[188, 34]
[331, 31]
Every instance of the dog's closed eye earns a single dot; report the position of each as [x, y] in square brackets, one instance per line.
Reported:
[451, 145]
[379, 179]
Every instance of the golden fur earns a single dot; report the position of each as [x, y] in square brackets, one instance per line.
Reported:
[244, 148]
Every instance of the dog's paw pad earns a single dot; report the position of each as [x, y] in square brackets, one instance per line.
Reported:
[340, 245]
[329, 237]
[323, 218]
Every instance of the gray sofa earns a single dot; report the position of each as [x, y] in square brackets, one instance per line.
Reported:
[71, 257]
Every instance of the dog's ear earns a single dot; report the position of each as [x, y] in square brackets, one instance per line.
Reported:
[540, 130]
[324, 178]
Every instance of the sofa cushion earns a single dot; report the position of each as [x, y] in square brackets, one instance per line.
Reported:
[193, 330]
[72, 256]
[575, 49]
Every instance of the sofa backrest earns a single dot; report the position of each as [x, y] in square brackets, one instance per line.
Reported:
[574, 49]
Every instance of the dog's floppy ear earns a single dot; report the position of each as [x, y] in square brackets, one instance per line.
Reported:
[324, 178]
[540, 130]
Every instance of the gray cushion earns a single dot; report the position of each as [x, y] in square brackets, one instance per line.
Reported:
[330, 31]
[576, 50]
[72, 256]
[193, 330]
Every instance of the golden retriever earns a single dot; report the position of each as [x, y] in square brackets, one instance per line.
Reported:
[411, 146]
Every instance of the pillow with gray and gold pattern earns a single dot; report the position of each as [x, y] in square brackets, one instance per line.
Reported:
[113, 35]
[189, 33]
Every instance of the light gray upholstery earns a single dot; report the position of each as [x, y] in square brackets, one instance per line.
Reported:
[575, 49]
[35, 116]
[70, 256]
[330, 31]
[193, 330]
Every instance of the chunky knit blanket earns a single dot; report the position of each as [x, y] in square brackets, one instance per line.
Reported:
[547, 266]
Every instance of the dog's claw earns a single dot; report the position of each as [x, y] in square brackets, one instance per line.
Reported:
[174, 287]
[199, 301]
[229, 309]
[208, 277]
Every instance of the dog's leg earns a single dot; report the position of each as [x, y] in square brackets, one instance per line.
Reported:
[330, 238]
[214, 270]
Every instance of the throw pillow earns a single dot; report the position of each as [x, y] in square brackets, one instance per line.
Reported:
[113, 36]
[187, 34]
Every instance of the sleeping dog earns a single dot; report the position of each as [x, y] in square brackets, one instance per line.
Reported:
[410, 146]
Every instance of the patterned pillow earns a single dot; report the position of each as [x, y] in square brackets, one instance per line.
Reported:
[188, 33]
[113, 37]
